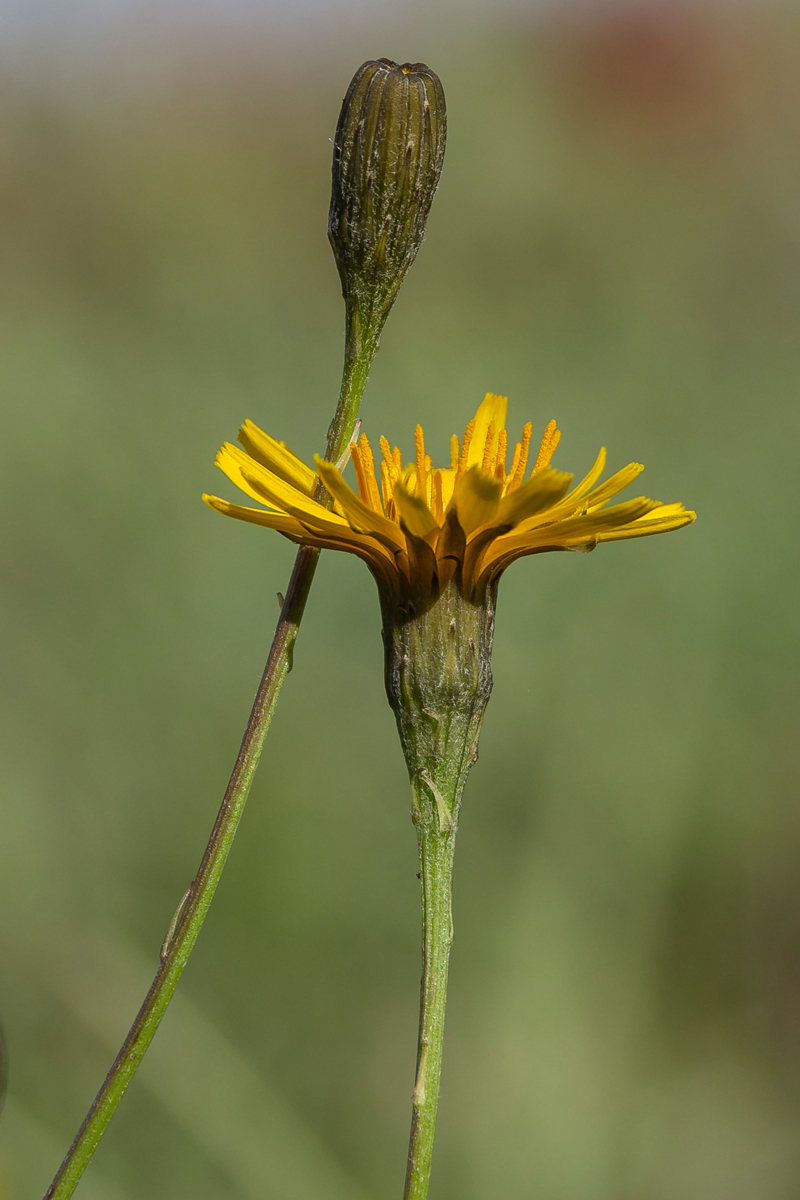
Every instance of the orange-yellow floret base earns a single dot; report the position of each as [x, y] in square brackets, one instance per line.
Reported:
[419, 527]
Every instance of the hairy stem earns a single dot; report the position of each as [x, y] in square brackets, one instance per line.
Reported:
[436, 848]
[186, 925]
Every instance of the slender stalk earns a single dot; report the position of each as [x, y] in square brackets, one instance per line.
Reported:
[436, 849]
[192, 910]
[438, 680]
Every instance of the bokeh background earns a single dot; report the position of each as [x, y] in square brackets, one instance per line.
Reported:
[616, 243]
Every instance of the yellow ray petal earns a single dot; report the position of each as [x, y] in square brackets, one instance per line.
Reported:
[272, 490]
[593, 523]
[299, 518]
[448, 478]
[367, 548]
[578, 502]
[588, 525]
[232, 461]
[415, 513]
[542, 491]
[615, 483]
[589, 480]
[323, 521]
[565, 534]
[277, 457]
[537, 493]
[360, 516]
[661, 520]
[256, 516]
[259, 482]
[491, 412]
[475, 500]
[372, 552]
[669, 510]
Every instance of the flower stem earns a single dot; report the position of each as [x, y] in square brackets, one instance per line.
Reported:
[438, 681]
[436, 857]
[186, 925]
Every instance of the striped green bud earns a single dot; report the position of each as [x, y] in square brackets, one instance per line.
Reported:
[387, 159]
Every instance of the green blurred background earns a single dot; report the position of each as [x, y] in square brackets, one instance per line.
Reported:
[616, 243]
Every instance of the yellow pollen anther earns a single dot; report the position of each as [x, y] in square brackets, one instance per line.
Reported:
[419, 440]
[366, 450]
[486, 465]
[520, 459]
[387, 483]
[428, 479]
[437, 501]
[453, 452]
[514, 462]
[552, 436]
[502, 449]
[387, 452]
[355, 454]
[374, 497]
[465, 445]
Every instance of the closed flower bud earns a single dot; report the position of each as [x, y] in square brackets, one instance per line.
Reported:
[387, 158]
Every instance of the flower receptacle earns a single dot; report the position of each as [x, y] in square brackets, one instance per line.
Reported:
[438, 678]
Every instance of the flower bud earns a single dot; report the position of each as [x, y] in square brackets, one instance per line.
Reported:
[387, 158]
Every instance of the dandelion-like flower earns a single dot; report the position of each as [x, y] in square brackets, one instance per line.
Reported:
[437, 541]
[419, 527]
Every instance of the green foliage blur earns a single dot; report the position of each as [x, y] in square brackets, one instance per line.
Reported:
[615, 243]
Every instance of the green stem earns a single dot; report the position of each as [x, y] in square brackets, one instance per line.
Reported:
[436, 849]
[188, 920]
[362, 338]
[438, 681]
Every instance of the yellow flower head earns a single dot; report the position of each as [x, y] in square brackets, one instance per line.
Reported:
[418, 527]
